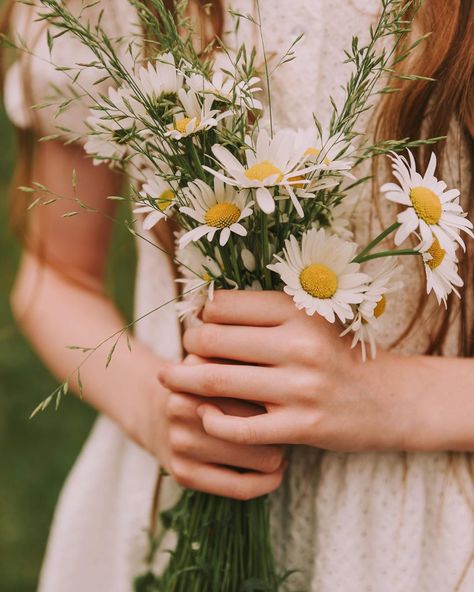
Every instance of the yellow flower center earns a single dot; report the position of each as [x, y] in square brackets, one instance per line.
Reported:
[206, 277]
[427, 204]
[380, 307]
[438, 253]
[263, 170]
[316, 152]
[165, 200]
[319, 281]
[222, 215]
[182, 124]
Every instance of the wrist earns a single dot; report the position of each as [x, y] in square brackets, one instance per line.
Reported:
[392, 381]
[141, 415]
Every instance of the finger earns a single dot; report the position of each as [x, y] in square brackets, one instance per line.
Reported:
[256, 345]
[183, 407]
[203, 448]
[235, 407]
[193, 360]
[227, 380]
[269, 428]
[225, 482]
[246, 307]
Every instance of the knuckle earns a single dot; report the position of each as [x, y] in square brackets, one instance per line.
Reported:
[276, 481]
[306, 385]
[180, 440]
[307, 350]
[273, 460]
[179, 406]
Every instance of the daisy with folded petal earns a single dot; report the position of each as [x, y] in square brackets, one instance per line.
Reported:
[364, 326]
[273, 163]
[196, 116]
[320, 276]
[158, 200]
[199, 273]
[431, 209]
[218, 211]
[441, 272]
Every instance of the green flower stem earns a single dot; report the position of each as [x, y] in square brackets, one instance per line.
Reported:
[378, 239]
[199, 171]
[267, 280]
[235, 264]
[381, 254]
[223, 545]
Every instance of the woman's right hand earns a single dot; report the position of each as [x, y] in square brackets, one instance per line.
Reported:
[175, 435]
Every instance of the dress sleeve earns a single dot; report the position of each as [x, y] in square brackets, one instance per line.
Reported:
[34, 78]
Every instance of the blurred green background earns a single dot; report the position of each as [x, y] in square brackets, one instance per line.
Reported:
[35, 455]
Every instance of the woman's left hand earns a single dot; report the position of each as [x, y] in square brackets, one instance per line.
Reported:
[315, 389]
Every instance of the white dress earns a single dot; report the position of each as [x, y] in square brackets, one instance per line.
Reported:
[372, 522]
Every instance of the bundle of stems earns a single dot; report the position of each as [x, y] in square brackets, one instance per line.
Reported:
[222, 545]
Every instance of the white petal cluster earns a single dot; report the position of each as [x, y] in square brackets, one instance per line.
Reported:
[158, 199]
[431, 208]
[159, 78]
[269, 163]
[230, 90]
[218, 210]
[110, 128]
[383, 281]
[197, 115]
[198, 273]
[441, 269]
[320, 276]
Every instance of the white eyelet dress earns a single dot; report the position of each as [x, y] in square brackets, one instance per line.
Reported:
[372, 522]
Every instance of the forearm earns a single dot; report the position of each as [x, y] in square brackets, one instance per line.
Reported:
[433, 399]
[55, 313]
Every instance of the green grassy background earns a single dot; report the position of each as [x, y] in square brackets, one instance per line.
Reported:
[35, 455]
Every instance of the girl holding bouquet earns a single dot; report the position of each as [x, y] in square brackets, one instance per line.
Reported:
[376, 491]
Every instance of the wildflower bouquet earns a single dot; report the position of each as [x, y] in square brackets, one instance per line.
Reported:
[258, 208]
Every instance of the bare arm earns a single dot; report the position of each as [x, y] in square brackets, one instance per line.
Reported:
[58, 297]
[59, 300]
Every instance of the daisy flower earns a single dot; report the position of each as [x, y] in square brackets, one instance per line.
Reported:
[273, 163]
[158, 200]
[159, 78]
[441, 272]
[111, 131]
[198, 273]
[328, 151]
[430, 208]
[320, 276]
[364, 325]
[217, 210]
[196, 117]
[227, 89]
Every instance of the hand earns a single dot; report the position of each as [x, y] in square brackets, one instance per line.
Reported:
[315, 389]
[196, 460]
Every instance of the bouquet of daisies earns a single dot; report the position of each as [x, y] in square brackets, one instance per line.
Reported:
[258, 208]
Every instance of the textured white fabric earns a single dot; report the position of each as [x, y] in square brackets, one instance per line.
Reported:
[381, 522]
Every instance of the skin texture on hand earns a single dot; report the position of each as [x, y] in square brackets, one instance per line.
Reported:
[315, 389]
